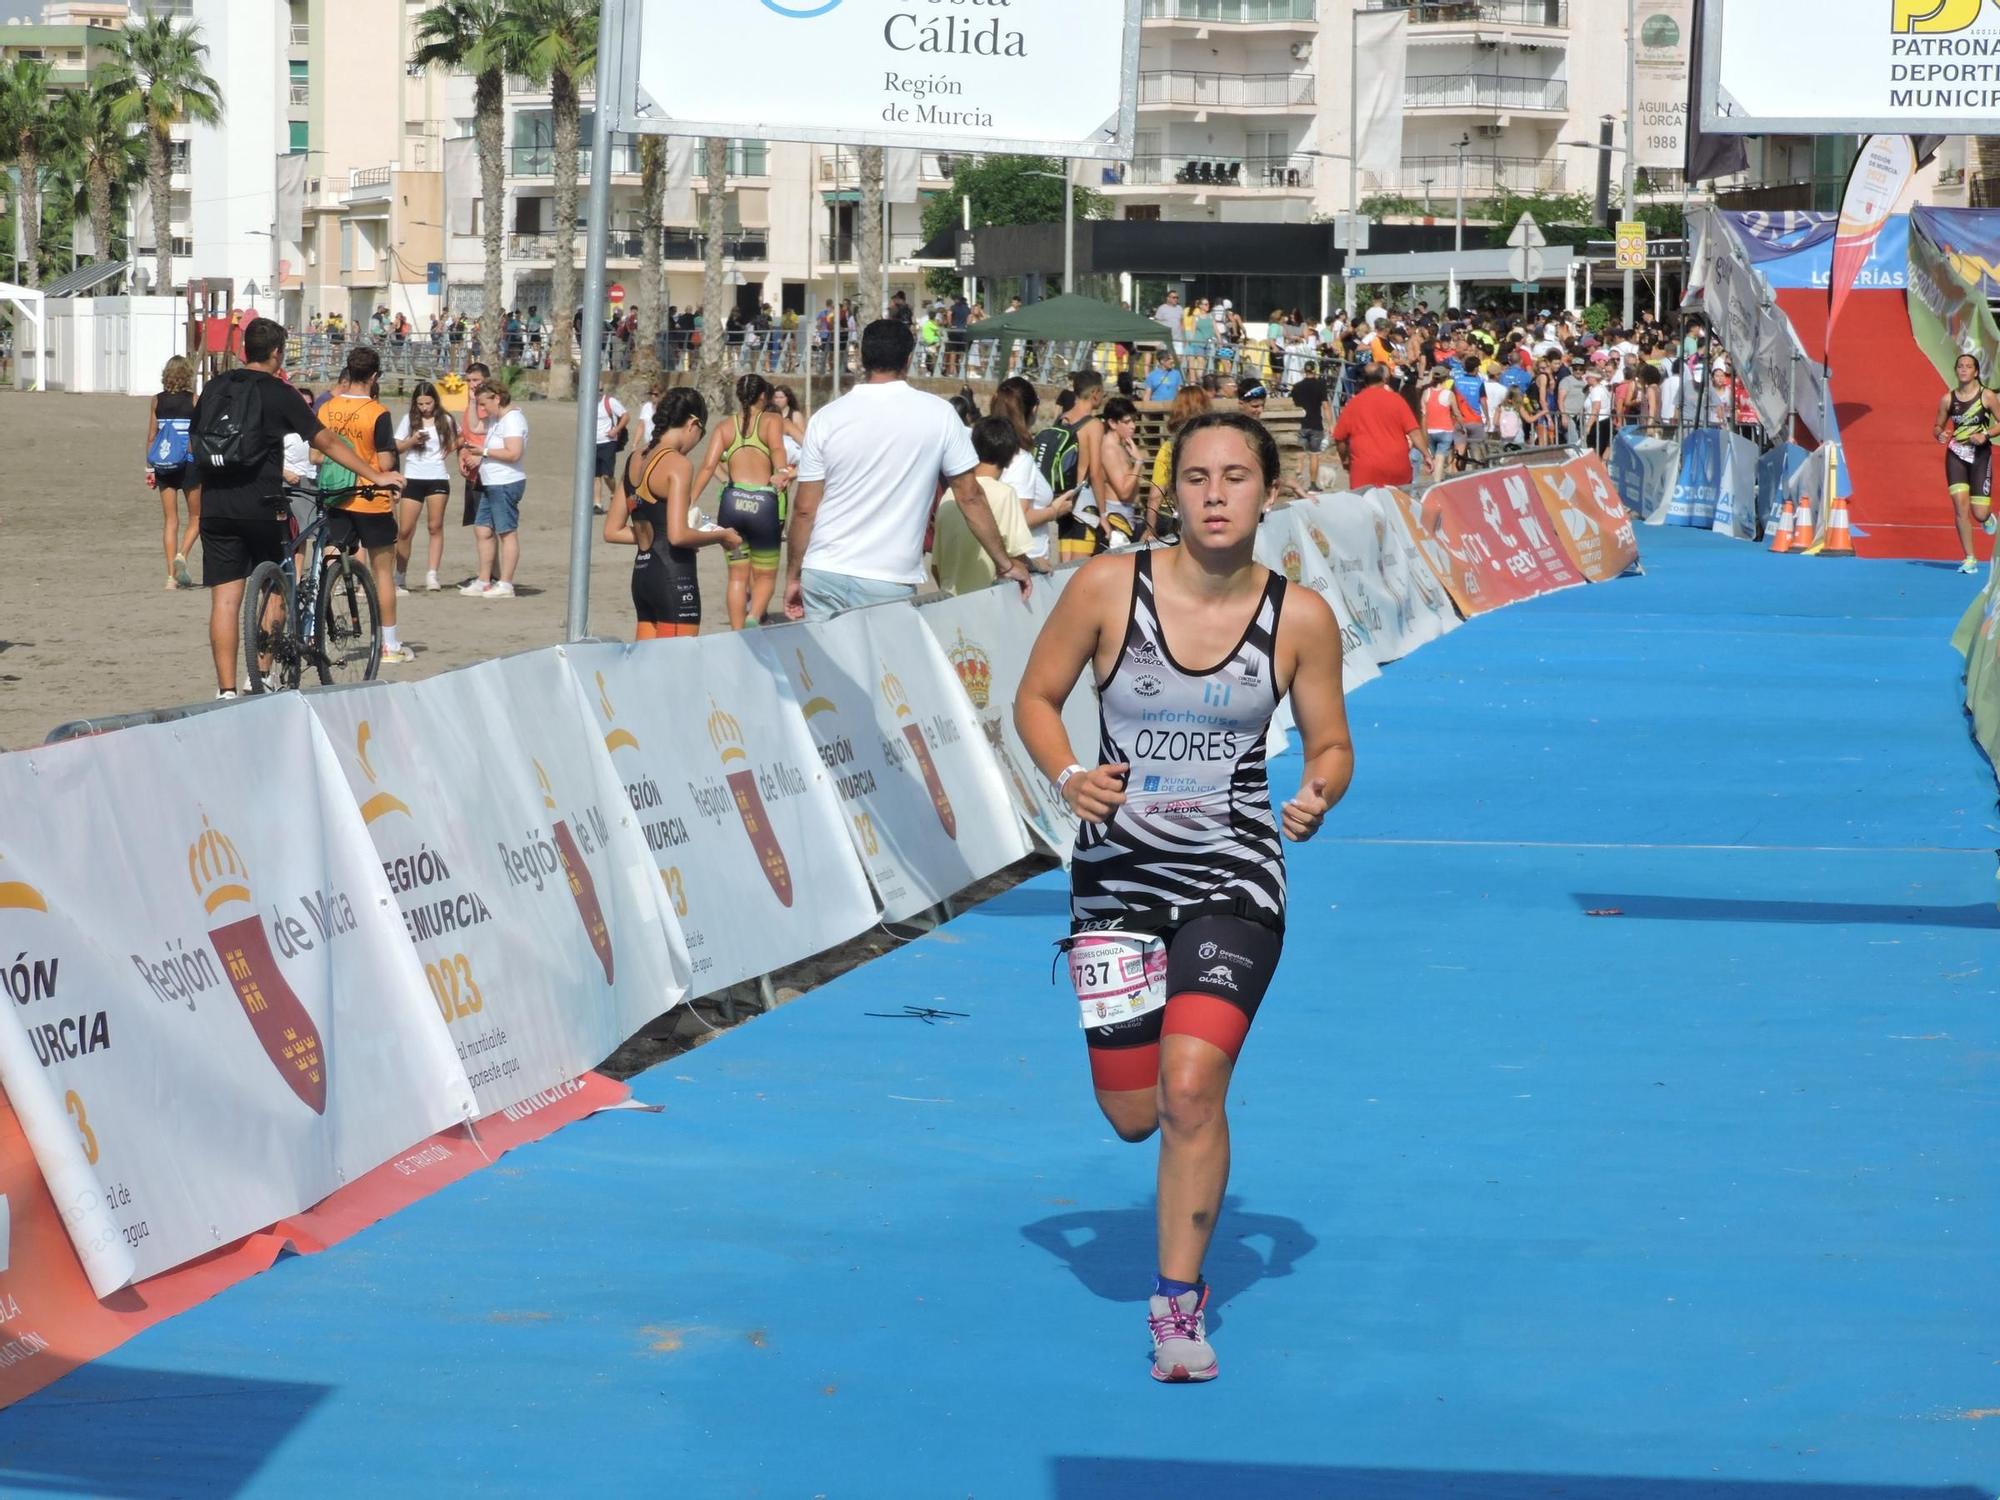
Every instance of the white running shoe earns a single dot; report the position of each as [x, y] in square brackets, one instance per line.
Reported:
[1991, 525]
[402, 588]
[1181, 1350]
[226, 693]
[1970, 565]
[477, 589]
[500, 590]
[397, 654]
[431, 584]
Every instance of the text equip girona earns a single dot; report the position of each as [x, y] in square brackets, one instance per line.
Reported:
[906, 31]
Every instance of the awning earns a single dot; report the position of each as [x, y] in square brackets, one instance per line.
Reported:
[85, 278]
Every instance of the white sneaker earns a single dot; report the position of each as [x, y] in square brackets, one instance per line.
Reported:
[501, 590]
[1970, 565]
[477, 589]
[401, 588]
[226, 693]
[431, 584]
[397, 654]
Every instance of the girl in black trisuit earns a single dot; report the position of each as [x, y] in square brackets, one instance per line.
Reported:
[650, 512]
[1966, 419]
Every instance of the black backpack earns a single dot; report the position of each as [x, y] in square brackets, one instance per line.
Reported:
[1056, 455]
[229, 432]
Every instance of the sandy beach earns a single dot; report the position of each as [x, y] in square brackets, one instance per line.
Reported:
[87, 630]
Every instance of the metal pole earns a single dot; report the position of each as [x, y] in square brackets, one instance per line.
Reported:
[1631, 108]
[1458, 230]
[1069, 231]
[1349, 286]
[885, 233]
[597, 244]
[839, 312]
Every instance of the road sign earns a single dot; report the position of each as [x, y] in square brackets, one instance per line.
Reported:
[1631, 245]
[615, 294]
[1525, 287]
[1350, 231]
[1527, 235]
[1353, 273]
[433, 278]
[1524, 262]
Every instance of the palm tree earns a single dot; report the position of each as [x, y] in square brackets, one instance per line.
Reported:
[647, 302]
[160, 80]
[869, 250]
[93, 149]
[24, 140]
[469, 36]
[712, 373]
[556, 43]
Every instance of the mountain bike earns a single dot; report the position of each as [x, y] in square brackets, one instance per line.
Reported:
[329, 619]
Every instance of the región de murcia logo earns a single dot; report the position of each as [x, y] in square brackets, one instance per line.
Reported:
[726, 734]
[913, 732]
[286, 1032]
[581, 887]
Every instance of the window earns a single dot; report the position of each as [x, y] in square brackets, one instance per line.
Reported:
[300, 129]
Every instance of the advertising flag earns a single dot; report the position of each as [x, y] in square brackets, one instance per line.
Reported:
[1882, 170]
[1949, 311]
[1382, 37]
[1660, 71]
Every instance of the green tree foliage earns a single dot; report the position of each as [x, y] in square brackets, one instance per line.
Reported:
[470, 35]
[159, 78]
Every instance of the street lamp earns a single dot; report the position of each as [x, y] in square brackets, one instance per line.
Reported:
[1458, 234]
[1069, 224]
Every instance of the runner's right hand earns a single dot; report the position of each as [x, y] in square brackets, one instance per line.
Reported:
[1095, 795]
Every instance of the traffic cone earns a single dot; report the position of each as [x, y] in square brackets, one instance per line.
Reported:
[1802, 534]
[1783, 541]
[1838, 541]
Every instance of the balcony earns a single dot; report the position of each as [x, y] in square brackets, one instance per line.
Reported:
[935, 167]
[1233, 12]
[627, 242]
[1229, 91]
[368, 182]
[540, 161]
[1485, 177]
[1553, 14]
[1214, 173]
[300, 95]
[840, 249]
[742, 244]
[1483, 94]
[301, 36]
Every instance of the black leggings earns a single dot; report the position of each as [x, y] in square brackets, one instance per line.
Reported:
[1974, 474]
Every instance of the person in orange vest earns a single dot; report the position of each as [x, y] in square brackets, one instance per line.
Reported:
[369, 521]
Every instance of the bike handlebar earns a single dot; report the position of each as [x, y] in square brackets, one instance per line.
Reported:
[335, 496]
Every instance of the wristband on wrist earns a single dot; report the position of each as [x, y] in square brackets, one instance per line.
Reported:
[1063, 780]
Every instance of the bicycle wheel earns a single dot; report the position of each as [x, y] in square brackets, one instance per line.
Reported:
[270, 652]
[347, 636]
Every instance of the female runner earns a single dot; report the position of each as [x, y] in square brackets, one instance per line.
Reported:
[655, 495]
[749, 453]
[1177, 842]
[1965, 423]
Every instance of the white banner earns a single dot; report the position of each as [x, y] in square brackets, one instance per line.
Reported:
[679, 205]
[218, 997]
[1387, 588]
[987, 636]
[1382, 38]
[1660, 72]
[1046, 76]
[901, 170]
[461, 183]
[1285, 545]
[927, 806]
[1851, 66]
[292, 194]
[522, 874]
[740, 815]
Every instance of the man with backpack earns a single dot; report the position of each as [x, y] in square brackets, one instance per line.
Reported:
[240, 425]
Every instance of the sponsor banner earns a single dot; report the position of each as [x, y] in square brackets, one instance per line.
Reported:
[1286, 544]
[521, 873]
[729, 791]
[1716, 487]
[1793, 250]
[926, 804]
[986, 636]
[50, 1322]
[1391, 594]
[1882, 172]
[1951, 277]
[1643, 471]
[1660, 78]
[1591, 522]
[1777, 470]
[1896, 65]
[184, 913]
[1498, 539]
[1980, 634]
[1029, 75]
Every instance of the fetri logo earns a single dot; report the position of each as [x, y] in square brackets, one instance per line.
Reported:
[1925, 17]
[801, 10]
[286, 1032]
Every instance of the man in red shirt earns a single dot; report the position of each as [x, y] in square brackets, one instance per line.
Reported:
[1377, 434]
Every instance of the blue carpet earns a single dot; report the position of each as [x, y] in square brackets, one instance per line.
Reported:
[1690, 1199]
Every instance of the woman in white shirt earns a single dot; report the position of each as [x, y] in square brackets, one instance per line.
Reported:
[503, 481]
[1041, 507]
[424, 438]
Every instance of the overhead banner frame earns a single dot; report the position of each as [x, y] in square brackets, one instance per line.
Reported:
[1859, 52]
[938, 112]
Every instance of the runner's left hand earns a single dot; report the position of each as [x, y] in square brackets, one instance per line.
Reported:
[1307, 811]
